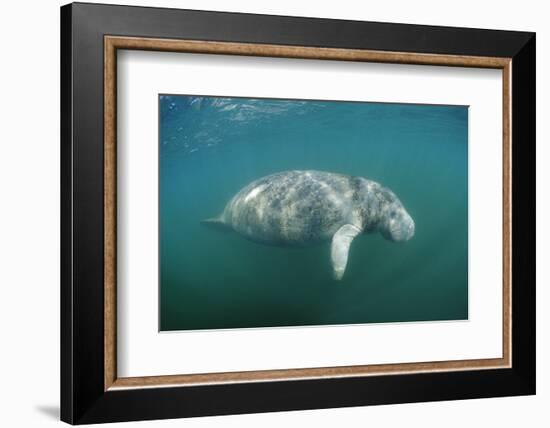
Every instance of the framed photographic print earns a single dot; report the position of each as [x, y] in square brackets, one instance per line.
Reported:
[265, 213]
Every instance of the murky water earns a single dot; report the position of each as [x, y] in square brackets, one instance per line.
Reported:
[211, 147]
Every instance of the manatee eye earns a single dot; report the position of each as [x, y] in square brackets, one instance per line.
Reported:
[393, 214]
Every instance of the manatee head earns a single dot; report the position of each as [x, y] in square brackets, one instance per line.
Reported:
[395, 223]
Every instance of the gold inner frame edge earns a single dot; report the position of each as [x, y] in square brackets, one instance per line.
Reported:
[113, 43]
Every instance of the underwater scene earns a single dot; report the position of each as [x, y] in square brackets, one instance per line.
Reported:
[280, 212]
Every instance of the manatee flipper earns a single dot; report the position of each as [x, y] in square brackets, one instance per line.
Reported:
[340, 248]
[216, 223]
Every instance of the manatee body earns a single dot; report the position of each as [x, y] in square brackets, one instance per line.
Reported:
[302, 208]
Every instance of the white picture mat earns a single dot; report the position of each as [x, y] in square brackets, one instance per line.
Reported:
[143, 351]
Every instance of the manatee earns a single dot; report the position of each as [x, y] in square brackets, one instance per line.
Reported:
[303, 208]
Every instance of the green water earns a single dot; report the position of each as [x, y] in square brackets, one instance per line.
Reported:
[211, 147]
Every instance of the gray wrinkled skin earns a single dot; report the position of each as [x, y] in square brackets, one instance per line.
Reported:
[302, 208]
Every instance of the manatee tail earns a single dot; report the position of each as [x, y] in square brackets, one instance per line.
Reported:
[216, 223]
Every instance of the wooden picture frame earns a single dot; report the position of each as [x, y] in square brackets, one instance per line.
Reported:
[91, 390]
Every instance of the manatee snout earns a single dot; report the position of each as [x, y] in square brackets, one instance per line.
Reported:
[400, 226]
